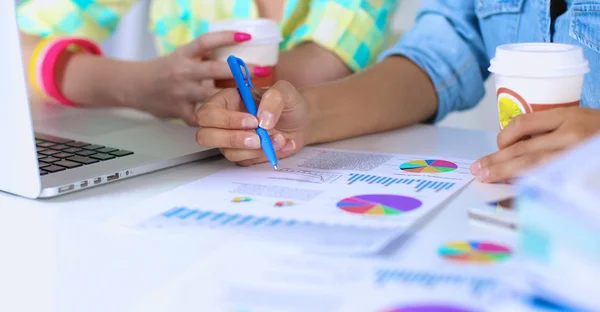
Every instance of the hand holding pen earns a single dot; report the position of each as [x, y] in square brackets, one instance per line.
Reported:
[226, 123]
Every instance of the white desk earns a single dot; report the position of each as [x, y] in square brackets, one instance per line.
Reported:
[56, 256]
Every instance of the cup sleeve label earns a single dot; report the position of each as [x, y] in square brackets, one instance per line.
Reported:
[510, 105]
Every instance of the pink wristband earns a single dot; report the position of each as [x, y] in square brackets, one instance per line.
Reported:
[50, 58]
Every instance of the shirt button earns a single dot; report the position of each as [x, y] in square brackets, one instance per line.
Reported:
[480, 4]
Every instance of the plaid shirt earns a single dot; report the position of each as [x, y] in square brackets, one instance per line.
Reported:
[355, 30]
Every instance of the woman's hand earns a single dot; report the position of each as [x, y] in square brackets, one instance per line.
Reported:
[173, 85]
[225, 124]
[532, 138]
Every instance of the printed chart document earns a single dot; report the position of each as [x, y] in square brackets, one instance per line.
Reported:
[317, 186]
[260, 279]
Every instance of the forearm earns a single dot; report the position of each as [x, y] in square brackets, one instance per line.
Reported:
[391, 94]
[309, 64]
[90, 80]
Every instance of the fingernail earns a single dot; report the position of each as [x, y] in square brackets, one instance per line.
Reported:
[289, 147]
[262, 71]
[278, 142]
[266, 120]
[249, 123]
[475, 167]
[252, 142]
[241, 37]
[483, 174]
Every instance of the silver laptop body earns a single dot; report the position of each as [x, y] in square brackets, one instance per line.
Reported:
[92, 146]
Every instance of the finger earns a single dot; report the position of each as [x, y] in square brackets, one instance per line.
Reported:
[281, 96]
[529, 125]
[237, 155]
[540, 144]
[288, 150]
[202, 70]
[217, 117]
[188, 114]
[213, 40]
[512, 168]
[228, 99]
[220, 138]
[192, 92]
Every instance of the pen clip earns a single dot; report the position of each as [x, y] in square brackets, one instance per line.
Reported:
[247, 72]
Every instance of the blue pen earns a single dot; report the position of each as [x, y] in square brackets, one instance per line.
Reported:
[244, 86]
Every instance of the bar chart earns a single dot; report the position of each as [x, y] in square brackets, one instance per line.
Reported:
[179, 215]
[314, 236]
[418, 184]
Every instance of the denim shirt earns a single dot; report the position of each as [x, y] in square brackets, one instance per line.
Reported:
[454, 40]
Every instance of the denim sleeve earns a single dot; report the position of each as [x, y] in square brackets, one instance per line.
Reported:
[446, 43]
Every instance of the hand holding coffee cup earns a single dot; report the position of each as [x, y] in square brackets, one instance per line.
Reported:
[261, 50]
[532, 77]
[531, 80]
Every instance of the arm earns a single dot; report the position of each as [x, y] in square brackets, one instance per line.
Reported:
[85, 79]
[437, 67]
[391, 94]
[310, 64]
[90, 80]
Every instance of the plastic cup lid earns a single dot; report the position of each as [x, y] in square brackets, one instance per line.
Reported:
[539, 60]
[263, 31]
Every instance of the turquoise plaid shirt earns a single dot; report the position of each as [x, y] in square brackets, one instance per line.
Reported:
[355, 30]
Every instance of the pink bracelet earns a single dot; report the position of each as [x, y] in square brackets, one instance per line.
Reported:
[44, 59]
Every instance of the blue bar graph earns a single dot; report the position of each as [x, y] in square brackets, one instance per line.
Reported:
[218, 219]
[419, 184]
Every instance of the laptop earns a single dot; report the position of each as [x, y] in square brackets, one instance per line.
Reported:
[49, 150]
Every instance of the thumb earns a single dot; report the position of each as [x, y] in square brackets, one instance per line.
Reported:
[282, 95]
[213, 40]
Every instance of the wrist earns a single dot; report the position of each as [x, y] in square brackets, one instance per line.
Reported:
[91, 80]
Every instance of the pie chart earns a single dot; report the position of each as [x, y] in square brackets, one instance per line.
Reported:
[378, 204]
[427, 308]
[474, 252]
[428, 166]
[241, 199]
[284, 204]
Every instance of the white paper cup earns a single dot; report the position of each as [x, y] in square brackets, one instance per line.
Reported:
[261, 50]
[533, 77]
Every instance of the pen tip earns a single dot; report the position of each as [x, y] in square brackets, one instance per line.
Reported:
[275, 167]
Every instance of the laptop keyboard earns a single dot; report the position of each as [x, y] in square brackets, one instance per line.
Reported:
[59, 154]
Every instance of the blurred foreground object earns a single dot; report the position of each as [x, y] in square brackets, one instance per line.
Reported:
[559, 212]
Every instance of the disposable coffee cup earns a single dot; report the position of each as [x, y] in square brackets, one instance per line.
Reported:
[262, 50]
[532, 77]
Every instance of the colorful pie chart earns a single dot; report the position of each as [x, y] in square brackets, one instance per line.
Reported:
[241, 199]
[428, 166]
[379, 204]
[427, 308]
[284, 204]
[474, 252]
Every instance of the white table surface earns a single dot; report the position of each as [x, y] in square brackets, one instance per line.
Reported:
[55, 254]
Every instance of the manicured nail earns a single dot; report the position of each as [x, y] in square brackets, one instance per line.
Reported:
[249, 123]
[278, 142]
[266, 120]
[483, 174]
[241, 37]
[252, 142]
[475, 167]
[262, 71]
[289, 147]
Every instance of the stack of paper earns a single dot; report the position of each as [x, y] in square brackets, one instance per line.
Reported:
[559, 209]
[321, 197]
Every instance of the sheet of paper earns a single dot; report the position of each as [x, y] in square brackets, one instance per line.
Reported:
[250, 278]
[317, 186]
